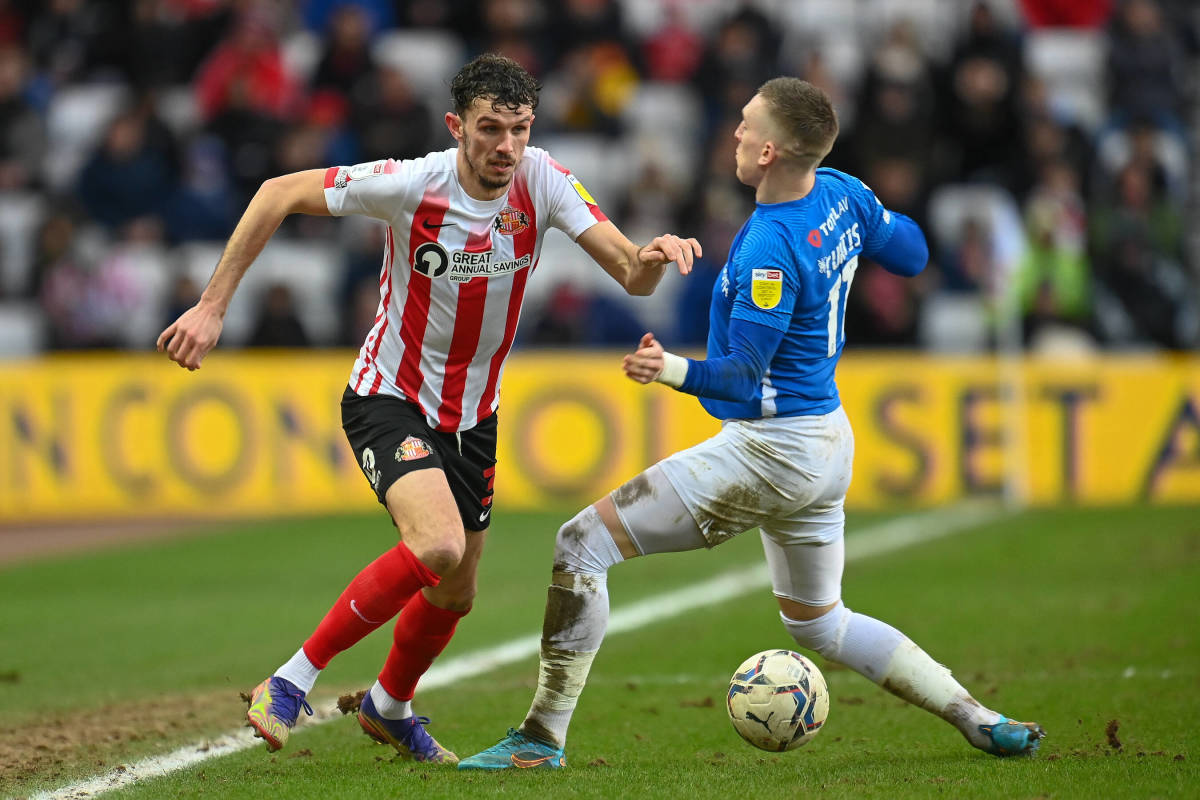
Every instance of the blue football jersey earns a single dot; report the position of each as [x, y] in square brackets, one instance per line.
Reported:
[790, 268]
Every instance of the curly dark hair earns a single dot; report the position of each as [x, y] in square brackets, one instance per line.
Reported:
[505, 82]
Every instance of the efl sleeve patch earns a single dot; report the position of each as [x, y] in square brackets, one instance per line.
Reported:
[581, 190]
[766, 287]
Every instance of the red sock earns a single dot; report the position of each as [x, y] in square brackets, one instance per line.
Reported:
[374, 596]
[422, 633]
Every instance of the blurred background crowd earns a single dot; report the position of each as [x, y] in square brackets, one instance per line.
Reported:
[1045, 146]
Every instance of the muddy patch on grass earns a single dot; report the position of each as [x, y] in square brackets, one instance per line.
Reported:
[64, 746]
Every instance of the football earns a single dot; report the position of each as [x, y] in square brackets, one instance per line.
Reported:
[778, 700]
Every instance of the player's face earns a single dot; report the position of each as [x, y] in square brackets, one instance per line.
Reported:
[752, 136]
[491, 143]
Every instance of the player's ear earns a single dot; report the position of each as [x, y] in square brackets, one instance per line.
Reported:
[454, 124]
[768, 154]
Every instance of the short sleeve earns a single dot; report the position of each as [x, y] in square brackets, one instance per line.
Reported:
[374, 189]
[766, 281]
[572, 208]
[878, 222]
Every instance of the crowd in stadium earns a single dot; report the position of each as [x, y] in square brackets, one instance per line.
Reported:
[1045, 146]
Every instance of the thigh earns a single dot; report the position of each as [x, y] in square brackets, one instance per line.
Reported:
[471, 471]
[423, 510]
[390, 439]
[805, 572]
[653, 515]
[735, 481]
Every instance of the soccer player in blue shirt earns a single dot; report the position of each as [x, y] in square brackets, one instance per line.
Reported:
[782, 459]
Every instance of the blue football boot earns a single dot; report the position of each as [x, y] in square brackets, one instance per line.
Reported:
[517, 751]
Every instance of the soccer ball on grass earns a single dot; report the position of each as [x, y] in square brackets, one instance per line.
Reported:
[778, 700]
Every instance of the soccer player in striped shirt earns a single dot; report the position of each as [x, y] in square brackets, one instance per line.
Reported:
[464, 233]
[782, 460]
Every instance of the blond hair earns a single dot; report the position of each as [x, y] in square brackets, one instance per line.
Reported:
[804, 117]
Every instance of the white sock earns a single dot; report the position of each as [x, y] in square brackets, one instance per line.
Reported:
[887, 657]
[388, 706]
[576, 618]
[300, 671]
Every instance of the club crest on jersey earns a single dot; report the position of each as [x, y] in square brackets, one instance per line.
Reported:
[510, 221]
[766, 287]
[411, 449]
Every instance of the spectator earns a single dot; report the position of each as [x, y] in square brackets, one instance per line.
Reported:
[346, 64]
[1052, 281]
[391, 120]
[22, 132]
[129, 180]
[739, 58]
[204, 205]
[247, 70]
[1145, 67]
[1137, 242]
[576, 317]
[278, 323]
[165, 40]
[88, 293]
[979, 118]
[672, 53]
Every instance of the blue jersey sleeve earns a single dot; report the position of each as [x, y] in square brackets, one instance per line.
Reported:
[906, 253]
[892, 239]
[766, 282]
[737, 376]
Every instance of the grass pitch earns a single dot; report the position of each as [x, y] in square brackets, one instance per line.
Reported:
[1085, 620]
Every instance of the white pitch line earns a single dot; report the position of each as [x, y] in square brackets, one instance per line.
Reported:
[883, 538]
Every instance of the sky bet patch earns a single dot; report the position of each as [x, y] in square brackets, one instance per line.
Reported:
[766, 287]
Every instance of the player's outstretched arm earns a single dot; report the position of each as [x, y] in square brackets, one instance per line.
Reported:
[637, 269]
[188, 339]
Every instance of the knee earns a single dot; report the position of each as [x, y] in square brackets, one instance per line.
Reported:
[584, 545]
[823, 634]
[443, 555]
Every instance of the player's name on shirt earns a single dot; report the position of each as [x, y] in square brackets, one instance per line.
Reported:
[850, 242]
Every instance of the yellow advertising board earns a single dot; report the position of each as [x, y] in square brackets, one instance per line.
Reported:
[114, 435]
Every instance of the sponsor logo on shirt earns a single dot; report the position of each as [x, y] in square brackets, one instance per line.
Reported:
[814, 237]
[358, 172]
[411, 449]
[510, 221]
[433, 260]
[464, 265]
[835, 213]
[766, 287]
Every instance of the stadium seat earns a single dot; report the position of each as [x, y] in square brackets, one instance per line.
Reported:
[953, 322]
[20, 215]
[301, 54]
[602, 165]
[1071, 62]
[428, 58]
[178, 109]
[22, 330]
[951, 205]
[75, 121]
[311, 269]
[149, 271]
[1113, 152]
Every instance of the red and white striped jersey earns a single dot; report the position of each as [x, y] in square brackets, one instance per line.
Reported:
[454, 274]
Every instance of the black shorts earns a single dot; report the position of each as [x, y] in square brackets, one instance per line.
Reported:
[391, 438]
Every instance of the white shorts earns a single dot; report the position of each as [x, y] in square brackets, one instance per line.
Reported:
[787, 476]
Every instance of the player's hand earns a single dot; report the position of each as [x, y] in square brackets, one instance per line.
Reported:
[188, 339]
[670, 247]
[646, 363]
